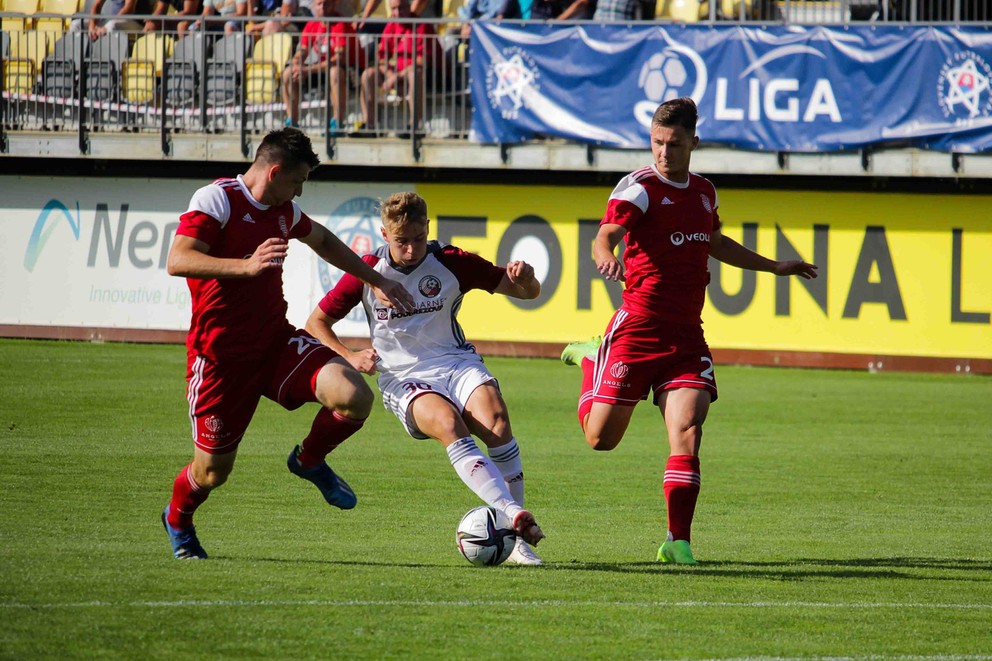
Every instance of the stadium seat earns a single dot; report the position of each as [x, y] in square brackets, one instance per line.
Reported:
[261, 82]
[681, 11]
[64, 7]
[182, 75]
[26, 7]
[59, 69]
[224, 69]
[21, 67]
[141, 71]
[4, 44]
[275, 49]
[103, 69]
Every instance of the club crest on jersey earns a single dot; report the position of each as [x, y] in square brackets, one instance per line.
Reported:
[283, 227]
[429, 286]
[706, 203]
[382, 314]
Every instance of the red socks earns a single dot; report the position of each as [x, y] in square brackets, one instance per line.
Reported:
[187, 495]
[329, 430]
[586, 395]
[681, 492]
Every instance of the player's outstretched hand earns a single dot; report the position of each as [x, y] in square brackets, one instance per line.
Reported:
[269, 255]
[796, 267]
[610, 268]
[520, 273]
[394, 295]
[363, 361]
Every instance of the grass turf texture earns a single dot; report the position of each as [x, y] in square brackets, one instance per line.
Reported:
[843, 514]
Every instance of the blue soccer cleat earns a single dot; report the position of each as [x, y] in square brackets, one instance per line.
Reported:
[335, 490]
[185, 545]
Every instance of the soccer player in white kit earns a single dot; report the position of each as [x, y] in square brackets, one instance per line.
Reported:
[430, 377]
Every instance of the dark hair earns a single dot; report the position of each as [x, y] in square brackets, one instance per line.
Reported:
[402, 209]
[288, 147]
[677, 112]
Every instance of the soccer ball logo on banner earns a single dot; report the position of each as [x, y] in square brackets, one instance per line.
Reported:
[356, 223]
[676, 71]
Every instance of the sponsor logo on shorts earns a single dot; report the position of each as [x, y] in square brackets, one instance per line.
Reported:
[429, 286]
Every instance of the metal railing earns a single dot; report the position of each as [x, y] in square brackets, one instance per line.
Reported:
[174, 80]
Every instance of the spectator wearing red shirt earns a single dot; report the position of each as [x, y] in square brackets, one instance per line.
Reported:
[327, 51]
[407, 52]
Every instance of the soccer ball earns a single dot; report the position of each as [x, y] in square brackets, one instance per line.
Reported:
[485, 536]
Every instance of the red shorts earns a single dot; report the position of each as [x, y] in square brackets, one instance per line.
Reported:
[641, 355]
[223, 396]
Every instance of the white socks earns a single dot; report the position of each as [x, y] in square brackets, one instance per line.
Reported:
[507, 460]
[481, 475]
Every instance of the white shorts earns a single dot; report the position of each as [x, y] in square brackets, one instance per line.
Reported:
[454, 378]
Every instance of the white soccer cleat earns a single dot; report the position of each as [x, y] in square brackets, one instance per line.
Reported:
[523, 555]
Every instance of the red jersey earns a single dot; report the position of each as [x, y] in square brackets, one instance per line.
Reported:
[238, 318]
[327, 38]
[398, 41]
[667, 243]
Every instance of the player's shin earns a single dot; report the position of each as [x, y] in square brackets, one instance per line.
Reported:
[187, 495]
[481, 476]
[508, 462]
[329, 430]
[681, 491]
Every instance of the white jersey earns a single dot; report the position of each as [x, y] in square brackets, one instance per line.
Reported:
[438, 283]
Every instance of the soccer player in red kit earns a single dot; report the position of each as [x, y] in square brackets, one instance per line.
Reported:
[230, 245]
[654, 343]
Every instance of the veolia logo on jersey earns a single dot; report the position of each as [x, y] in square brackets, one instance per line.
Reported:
[678, 238]
[429, 286]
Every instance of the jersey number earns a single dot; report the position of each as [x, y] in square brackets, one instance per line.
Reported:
[303, 343]
[708, 372]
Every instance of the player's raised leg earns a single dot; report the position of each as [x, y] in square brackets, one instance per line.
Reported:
[487, 417]
[347, 402]
[685, 410]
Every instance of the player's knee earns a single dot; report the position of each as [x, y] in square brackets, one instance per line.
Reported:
[601, 442]
[359, 398]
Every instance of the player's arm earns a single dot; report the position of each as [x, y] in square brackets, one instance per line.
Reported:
[604, 250]
[519, 281]
[330, 248]
[189, 258]
[320, 325]
[730, 252]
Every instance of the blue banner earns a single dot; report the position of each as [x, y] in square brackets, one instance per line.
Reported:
[771, 88]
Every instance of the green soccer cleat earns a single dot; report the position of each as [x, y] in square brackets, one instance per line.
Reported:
[676, 552]
[573, 353]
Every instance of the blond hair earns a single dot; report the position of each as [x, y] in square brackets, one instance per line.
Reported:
[402, 209]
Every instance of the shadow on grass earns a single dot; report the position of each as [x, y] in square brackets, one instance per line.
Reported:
[806, 568]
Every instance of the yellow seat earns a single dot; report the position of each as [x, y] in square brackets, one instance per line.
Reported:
[261, 82]
[683, 11]
[275, 49]
[27, 7]
[149, 48]
[143, 68]
[27, 50]
[451, 8]
[52, 25]
[139, 81]
[63, 7]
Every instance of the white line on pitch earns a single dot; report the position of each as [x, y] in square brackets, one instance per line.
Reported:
[344, 603]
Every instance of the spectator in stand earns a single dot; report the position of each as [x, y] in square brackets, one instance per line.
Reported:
[226, 9]
[273, 15]
[119, 17]
[546, 10]
[479, 10]
[421, 8]
[407, 54]
[180, 21]
[335, 48]
[618, 10]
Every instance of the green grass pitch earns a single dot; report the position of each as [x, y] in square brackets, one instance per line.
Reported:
[842, 515]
